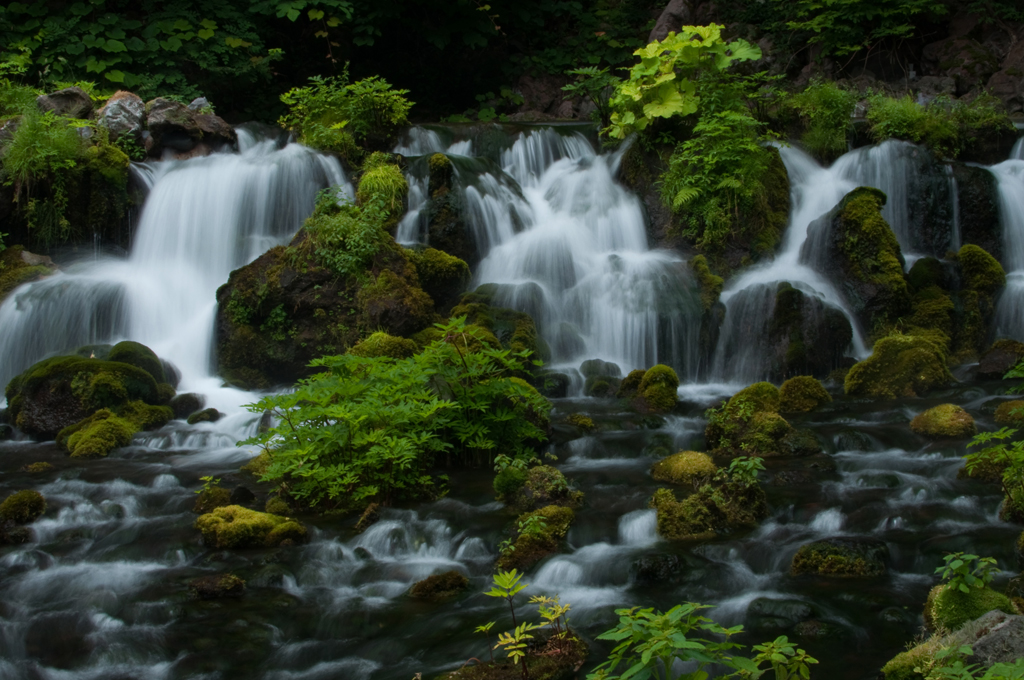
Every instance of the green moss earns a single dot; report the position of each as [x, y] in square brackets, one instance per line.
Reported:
[658, 388]
[14, 271]
[97, 435]
[757, 398]
[710, 286]
[802, 393]
[508, 482]
[581, 421]
[165, 393]
[981, 271]
[145, 416]
[217, 587]
[395, 304]
[36, 468]
[1010, 413]
[207, 415]
[211, 499]
[545, 485]
[442, 276]
[685, 467]
[385, 184]
[513, 329]
[276, 506]
[944, 421]
[439, 586]
[630, 384]
[441, 174]
[901, 667]
[257, 467]
[528, 549]
[137, 354]
[233, 526]
[23, 507]
[712, 509]
[899, 366]
[951, 608]
[381, 344]
[749, 424]
[840, 558]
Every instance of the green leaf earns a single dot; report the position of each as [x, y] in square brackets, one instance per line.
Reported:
[115, 46]
[114, 76]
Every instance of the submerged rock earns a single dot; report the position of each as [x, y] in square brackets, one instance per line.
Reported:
[439, 586]
[842, 557]
[217, 587]
[185, 405]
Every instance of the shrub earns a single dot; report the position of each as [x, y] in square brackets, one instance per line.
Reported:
[844, 27]
[344, 238]
[826, 109]
[385, 183]
[944, 126]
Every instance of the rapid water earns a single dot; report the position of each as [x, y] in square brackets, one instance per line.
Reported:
[568, 244]
[202, 219]
[1010, 307]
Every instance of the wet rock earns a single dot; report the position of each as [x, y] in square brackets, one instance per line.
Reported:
[10, 534]
[23, 507]
[978, 195]
[362, 553]
[277, 506]
[816, 629]
[944, 421]
[842, 557]
[210, 499]
[596, 367]
[370, 516]
[801, 394]
[668, 569]
[73, 102]
[36, 468]
[720, 508]
[241, 495]
[270, 576]
[217, 587]
[233, 526]
[553, 385]
[123, 114]
[949, 608]
[899, 366]
[186, 404]
[769, 615]
[805, 335]
[59, 639]
[209, 415]
[544, 485]
[1010, 413]
[175, 126]
[685, 467]
[529, 548]
[999, 358]
[439, 586]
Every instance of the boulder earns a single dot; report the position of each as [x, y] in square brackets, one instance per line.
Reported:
[749, 424]
[999, 358]
[208, 415]
[123, 114]
[528, 548]
[233, 526]
[447, 229]
[669, 569]
[801, 394]
[439, 586]
[216, 587]
[1010, 413]
[719, 508]
[899, 366]
[186, 404]
[175, 126]
[978, 196]
[686, 468]
[947, 421]
[948, 608]
[73, 102]
[542, 486]
[842, 557]
[23, 507]
[964, 59]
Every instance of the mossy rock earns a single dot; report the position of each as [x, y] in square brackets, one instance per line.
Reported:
[899, 366]
[384, 183]
[630, 385]
[712, 509]
[23, 507]
[444, 277]
[439, 586]
[97, 435]
[508, 482]
[657, 389]
[999, 358]
[184, 405]
[950, 608]
[217, 587]
[145, 416]
[528, 549]
[276, 506]
[685, 467]
[211, 499]
[16, 268]
[1010, 413]
[380, 344]
[61, 391]
[801, 394]
[513, 330]
[981, 272]
[395, 302]
[371, 515]
[257, 467]
[944, 421]
[544, 485]
[708, 283]
[583, 422]
[901, 667]
[137, 354]
[749, 424]
[553, 659]
[233, 526]
[842, 558]
[37, 468]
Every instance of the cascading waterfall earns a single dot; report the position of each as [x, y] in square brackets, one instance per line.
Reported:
[567, 244]
[1017, 153]
[202, 219]
[1009, 320]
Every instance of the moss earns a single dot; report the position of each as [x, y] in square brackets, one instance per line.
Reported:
[838, 557]
[14, 271]
[528, 549]
[233, 526]
[36, 468]
[508, 482]
[901, 667]
[658, 388]
[381, 344]
[211, 499]
[395, 304]
[137, 354]
[216, 587]
[23, 507]
[802, 393]
[207, 415]
[444, 277]
[97, 435]
[581, 421]
[276, 506]
[719, 508]
[370, 516]
[186, 404]
[513, 329]
[988, 468]
[146, 416]
[899, 366]
[386, 184]
[1010, 413]
[630, 384]
[165, 393]
[441, 173]
[685, 467]
[545, 486]
[951, 608]
[944, 421]
[257, 467]
[981, 271]
[439, 586]
[710, 286]
[749, 424]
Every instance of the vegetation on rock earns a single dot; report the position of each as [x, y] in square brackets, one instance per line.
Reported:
[802, 393]
[946, 420]
[536, 535]
[23, 507]
[439, 586]
[685, 468]
[233, 526]
[841, 557]
[899, 366]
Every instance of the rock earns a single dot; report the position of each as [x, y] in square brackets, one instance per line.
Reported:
[362, 553]
[123, 114]
[842, 557]
[999, 358]
[668, 569]
[944, 421]
[216, 587]
[371, 515]
[596, 367]
[18, 266]
[685, 467]
[23, 507]
[801, 394]
[805, 335]
[1001, 639]
[544, 486]
[713, 509]
[749, 424]
[211, 499]
[553, 385]
[978, 195]
[656, 392]
[36, 468]
[140, 356]
[198, 104]
[936, 85]
[768, 615]
[855, 248]
[73, 102]
[175, 126]
[186, 404]
[1008, 83]
[447, 230]
[677, 13]
[950, 608]
[444, 277]
[1010, 413]
[97, 435]
[241, 495]
[530, 548]
[233, 526]
[276, 506]
[964, 59]
[899, 366]
[209, 415]
[439, 586]
[542, 93]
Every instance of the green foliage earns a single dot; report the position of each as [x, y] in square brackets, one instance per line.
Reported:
[208, 483]
[826, 109]
[944, 126]
[506, 585]
[998, 453]
[515, 644]
[964, 572]
[594, 84]
[743, 470]
[787, 661]
[950, 665]
[345, 237]
[385, 184]
[844, 27]
[370, 428]
[333, 114]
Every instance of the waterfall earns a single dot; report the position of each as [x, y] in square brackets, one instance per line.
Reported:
[567, 244]
[202, 219]
[1009, 320]
[1017, 153]
[955, 237]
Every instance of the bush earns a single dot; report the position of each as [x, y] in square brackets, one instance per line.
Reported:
[373, 428]
[826, 109]
[344, 238]
[384, 182]
[944, 126]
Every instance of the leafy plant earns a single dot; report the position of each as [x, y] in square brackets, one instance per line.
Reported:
[506, 585]
[742, 470]
[826, 107]
[594, 84]
[943, 125]
[515, 644]
[343, 236]
[485, 629]
[949, 664]
[1015, 373]
[1007, 456]
[208, 484]
[787, 661]
[554, 615]
[965, 572]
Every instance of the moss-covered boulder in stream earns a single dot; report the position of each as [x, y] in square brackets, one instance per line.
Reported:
[439, 586]
[842, 557]
[1010, 413]
[22, 507]
[513, 330]
[535, 535]
[718, 508]
[899, 366]
[18, 266]
[750, 424]
[855, 248]
[380, 344]
[447, 229]
[233, 526]
[948, 608]
[444, 277]
[801, 394]
[983, 277]
[946, 421]
[542, 485]
[686, 468]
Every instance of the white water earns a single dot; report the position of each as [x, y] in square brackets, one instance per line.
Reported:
[1017, 153]
[1010, 308]
[202, 219]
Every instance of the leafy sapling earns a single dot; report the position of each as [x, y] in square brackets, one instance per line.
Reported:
[515, 644]
[964, 572]
[788, 661]
[209, 483]
[486, 630]
[506, 586]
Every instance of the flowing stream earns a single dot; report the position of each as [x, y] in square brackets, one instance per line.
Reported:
[101, 590]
